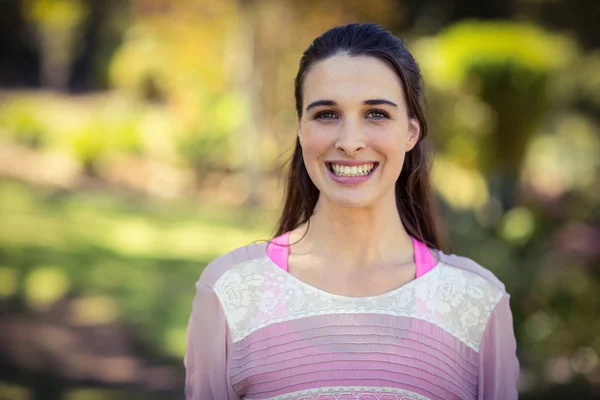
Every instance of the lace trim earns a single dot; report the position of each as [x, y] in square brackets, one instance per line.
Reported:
[257, 293]
[357, 392]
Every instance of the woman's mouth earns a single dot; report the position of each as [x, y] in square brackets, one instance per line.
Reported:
[349, 174]
[355, 170]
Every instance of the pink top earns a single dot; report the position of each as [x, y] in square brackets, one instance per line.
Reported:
[257, 332]
[279, 251]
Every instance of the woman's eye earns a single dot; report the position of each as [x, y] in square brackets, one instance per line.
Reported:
[376, 114]
[326, 115]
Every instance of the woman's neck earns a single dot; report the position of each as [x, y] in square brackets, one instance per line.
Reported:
[354, 238]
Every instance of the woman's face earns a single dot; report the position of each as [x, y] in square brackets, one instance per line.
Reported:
[355, 129]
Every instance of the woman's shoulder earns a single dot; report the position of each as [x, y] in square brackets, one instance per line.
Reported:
[473, 270]
[225, 262]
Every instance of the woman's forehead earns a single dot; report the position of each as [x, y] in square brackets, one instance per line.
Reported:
[352, 77]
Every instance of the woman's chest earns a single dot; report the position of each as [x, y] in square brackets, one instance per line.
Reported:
[329, 355]
[356, 282]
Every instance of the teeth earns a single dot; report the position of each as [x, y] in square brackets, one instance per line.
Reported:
[344, 170]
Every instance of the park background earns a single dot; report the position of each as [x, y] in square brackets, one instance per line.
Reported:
[139, 139]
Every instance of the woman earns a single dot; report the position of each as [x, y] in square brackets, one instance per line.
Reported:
[353, 299]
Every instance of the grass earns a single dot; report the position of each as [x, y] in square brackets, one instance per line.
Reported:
[126, 260]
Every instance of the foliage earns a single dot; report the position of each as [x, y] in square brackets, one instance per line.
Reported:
[448, 57]
[123, 262]
[497, 74]
[60, 14]
[89, 130]
[489, 97]
[20, 121]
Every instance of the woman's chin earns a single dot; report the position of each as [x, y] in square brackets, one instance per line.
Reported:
[350, 201]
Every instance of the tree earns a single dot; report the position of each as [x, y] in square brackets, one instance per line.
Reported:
[57, 25]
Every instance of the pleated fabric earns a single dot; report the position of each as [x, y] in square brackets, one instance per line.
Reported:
[257, 332]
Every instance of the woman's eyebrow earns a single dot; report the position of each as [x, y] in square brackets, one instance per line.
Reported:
[371, 102]
[377, 102]
[321, 103]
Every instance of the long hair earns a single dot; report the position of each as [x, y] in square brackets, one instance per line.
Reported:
[414, 198]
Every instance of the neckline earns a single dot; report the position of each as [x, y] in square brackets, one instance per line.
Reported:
[325, 293]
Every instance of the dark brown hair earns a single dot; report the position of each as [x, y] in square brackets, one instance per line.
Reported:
[414, 199]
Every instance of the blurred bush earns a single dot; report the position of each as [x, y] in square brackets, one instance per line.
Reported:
[496, 75]
[517, 167]
[88, 129]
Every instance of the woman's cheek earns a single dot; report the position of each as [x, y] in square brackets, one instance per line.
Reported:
[390, 146]
[315, 143]
[384, 142]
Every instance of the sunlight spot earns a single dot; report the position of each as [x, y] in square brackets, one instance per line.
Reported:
[474, 114]
[133, 236]
[565, 158]
[461, 187]
[44, 285]
[462, 148]
[558, 370]
[97, 310]
[517, 225]
[175, 340]
[584, 360]
[539, 325]
[194, 240]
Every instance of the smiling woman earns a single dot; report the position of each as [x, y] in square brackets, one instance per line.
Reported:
[355, 118]
[354, 297]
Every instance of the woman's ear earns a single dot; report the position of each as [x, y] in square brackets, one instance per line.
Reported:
[414, 131]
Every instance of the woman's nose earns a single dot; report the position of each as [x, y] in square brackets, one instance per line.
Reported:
[350, 139]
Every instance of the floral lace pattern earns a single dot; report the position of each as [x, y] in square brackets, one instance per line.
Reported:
[351, 393]
[257, 293]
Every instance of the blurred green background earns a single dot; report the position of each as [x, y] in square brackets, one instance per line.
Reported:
[139, 139]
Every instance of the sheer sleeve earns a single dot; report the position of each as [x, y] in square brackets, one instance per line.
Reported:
[206, 357]
[498, 363]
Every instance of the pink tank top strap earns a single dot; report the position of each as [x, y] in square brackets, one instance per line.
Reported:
[424, 260]
[278, 251]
